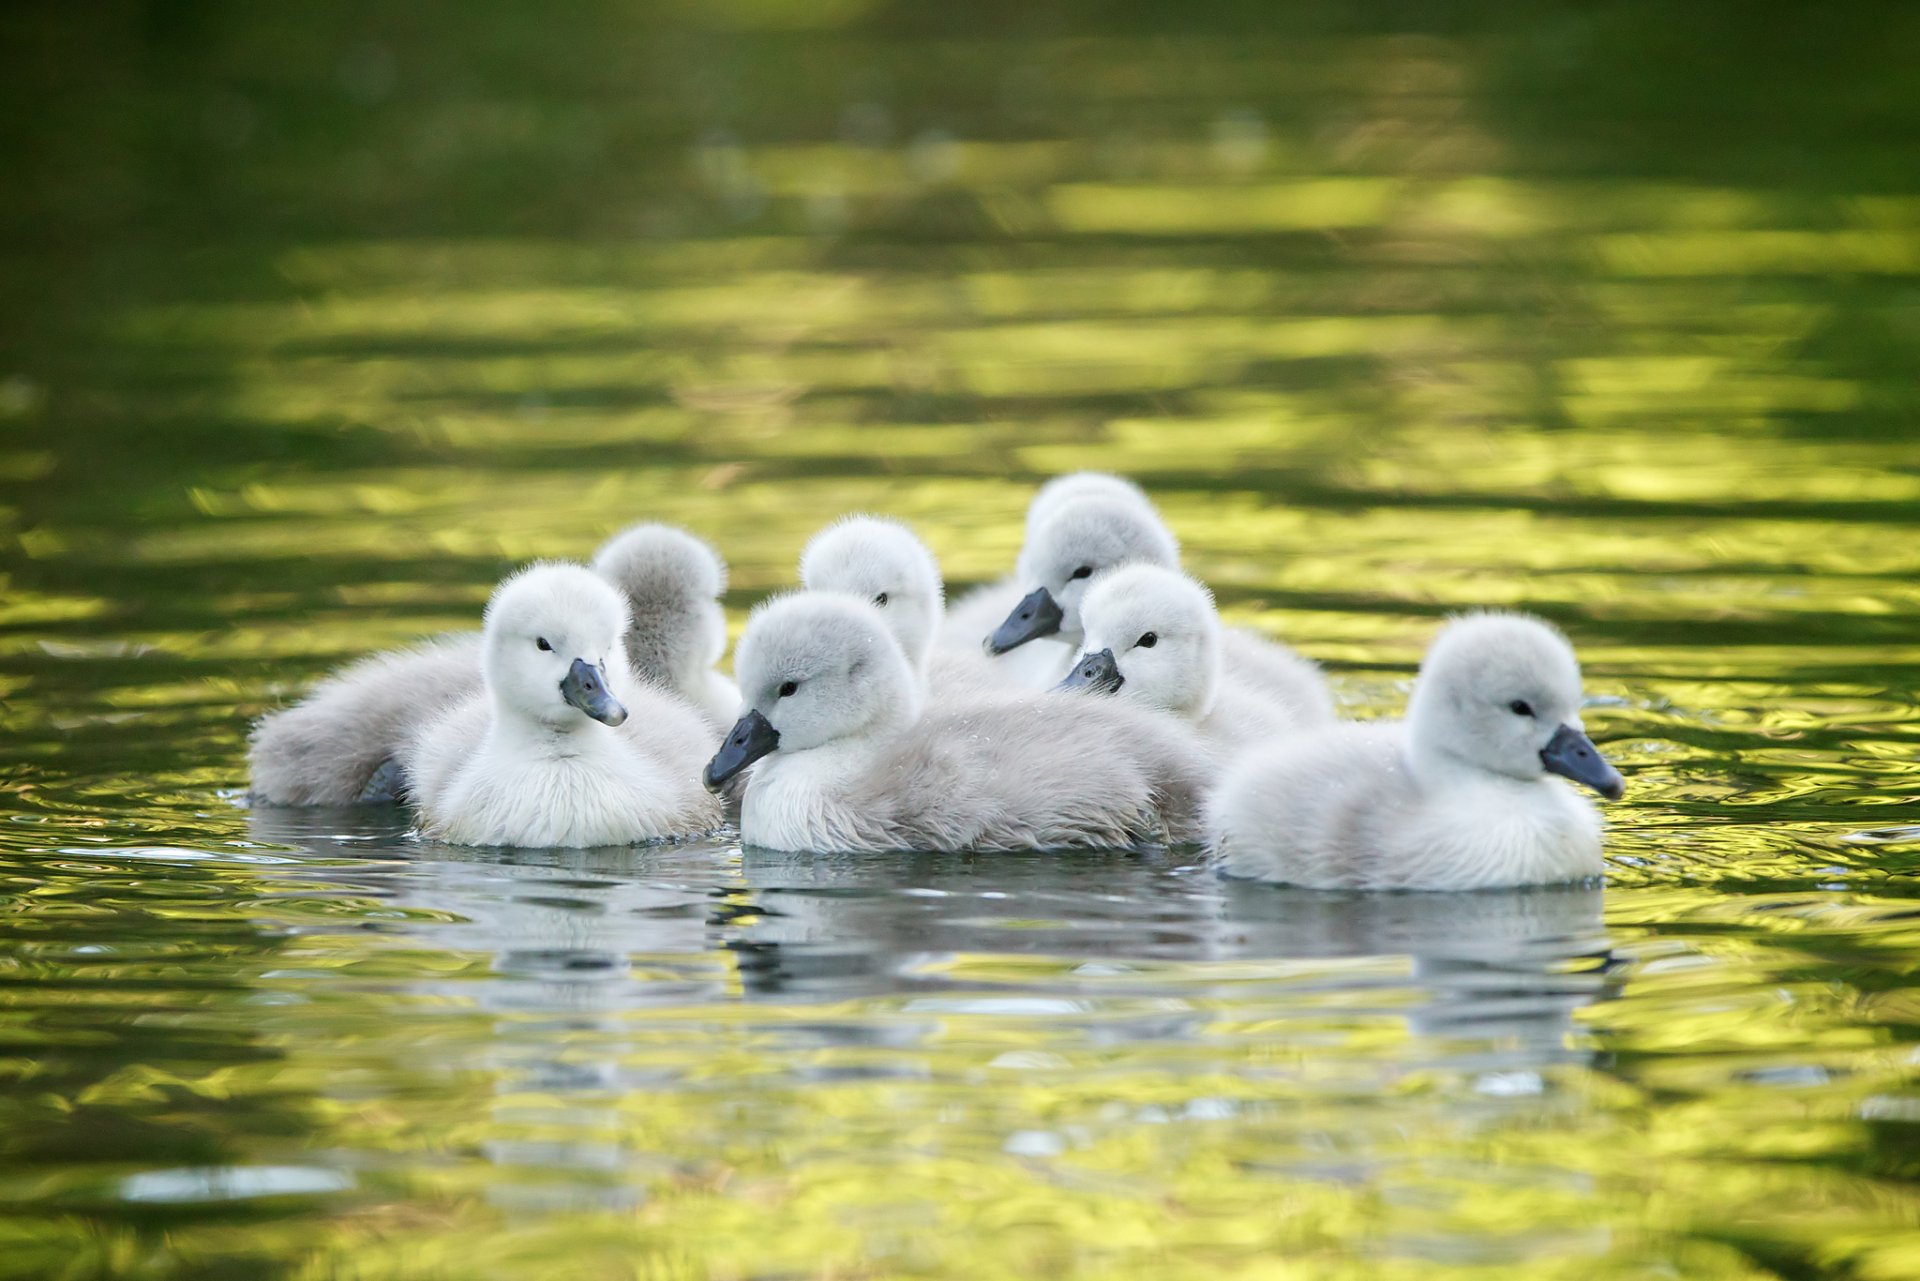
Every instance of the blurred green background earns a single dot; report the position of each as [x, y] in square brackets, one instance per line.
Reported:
[315, 319]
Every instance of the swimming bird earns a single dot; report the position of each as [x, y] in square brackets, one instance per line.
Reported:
[336, 745]
[883, 562]
[1467, 793]
[676, 629]
[1076, 540]
[563, 748]
[1152, 637]
[980, 610]
[847, 762]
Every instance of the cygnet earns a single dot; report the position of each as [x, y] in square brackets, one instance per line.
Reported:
[1152, 637]
[847, 762]
[337, 745]
[883, 562]
[980, 610]
[1078, 539]
[1468, 793]
[676, 629]
[540, 757]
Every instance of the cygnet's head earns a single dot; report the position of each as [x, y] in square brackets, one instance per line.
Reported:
[672, 582]
[552, 636]
[883, 563]
[1079, 539]
[1061, 490]
[814, 667]
[1501, 692]
[1152, 636]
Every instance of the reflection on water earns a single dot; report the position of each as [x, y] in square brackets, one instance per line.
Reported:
[316, 323]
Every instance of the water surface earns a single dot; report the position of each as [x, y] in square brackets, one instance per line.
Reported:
[313, 326]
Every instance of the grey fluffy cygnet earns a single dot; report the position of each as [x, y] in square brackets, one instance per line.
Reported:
[1470, 792]
[676, 630]
[563, 748]
[1152, 637]
[847, 762]
[884, 563]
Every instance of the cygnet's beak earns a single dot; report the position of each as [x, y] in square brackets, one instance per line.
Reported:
[1571, 754]
[586, 688]
[1036, 616]
[1096, 673]
[751, 738]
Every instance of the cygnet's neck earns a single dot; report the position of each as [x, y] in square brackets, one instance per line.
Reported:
[516, 728]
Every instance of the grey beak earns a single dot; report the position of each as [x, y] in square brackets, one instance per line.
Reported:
[586, 688]
[751, 738]
[1571, 754]
[1036, 616]
[1097, 673]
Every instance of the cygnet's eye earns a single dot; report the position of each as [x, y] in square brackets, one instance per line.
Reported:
[881, 600]
[541, 641]
[1147, 640]
[788, 687]
[1085, 571]
[1520, 707]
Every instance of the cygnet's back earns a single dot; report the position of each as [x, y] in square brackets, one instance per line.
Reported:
[676, 629]
[334, 747]
[1463, 795]
[1266, 667]
[847, 762]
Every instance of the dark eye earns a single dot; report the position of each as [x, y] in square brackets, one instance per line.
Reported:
[1148, 640]
[788, 687]
[881, 600]
[1520, 707]
[541, 641]
[1085, 571]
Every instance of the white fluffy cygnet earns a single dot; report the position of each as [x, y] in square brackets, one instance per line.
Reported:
[982, 609]
[848, 763]
[563, 748]
[336, 745]
[1077, 539]
[676, 629]
[1463, 795]
[883, 562]
[1153, 638]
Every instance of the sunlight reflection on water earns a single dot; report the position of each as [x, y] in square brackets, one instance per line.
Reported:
[1390, 327]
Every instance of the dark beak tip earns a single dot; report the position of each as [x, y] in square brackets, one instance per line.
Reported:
[751, 738]
[1037, 615]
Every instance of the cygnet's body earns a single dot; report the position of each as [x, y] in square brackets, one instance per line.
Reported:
[335, 746]
[847, 762]
[563, 748]
[1075, 540]
[1152, 638]
[982, 609]
[1461, 796]
[884, 563]
[676, 629]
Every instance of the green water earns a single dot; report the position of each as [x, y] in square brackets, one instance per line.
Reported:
[313, 323]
